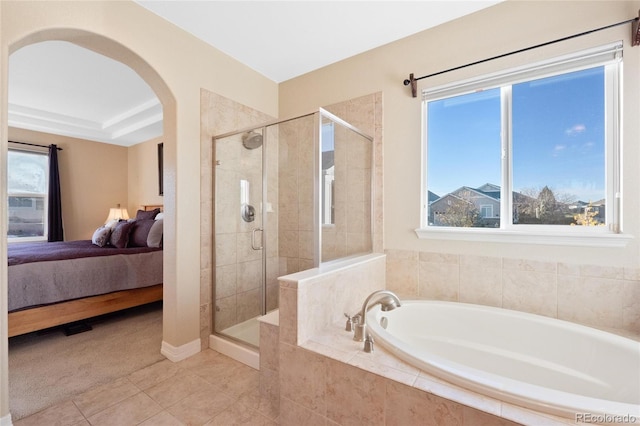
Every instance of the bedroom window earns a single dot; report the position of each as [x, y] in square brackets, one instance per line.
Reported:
[27, 173]
[533, 150]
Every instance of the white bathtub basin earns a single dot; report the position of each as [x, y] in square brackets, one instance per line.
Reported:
[549, 365]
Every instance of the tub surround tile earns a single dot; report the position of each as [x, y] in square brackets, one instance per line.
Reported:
[434, 257]
[329, 351]
[528, 417]
[288, 314]
[409, 406]
[369, 363]
[471, 417]
[631, 306]
[480, 284]
[325, 294]
[530, 265]
[469, 261]
[568, 269]
[530, 291]
[293, 413]
[402, 272]
[436, 386]
[632, 274]
[354, 396]
[439, 280]
[613, 272]
[304, 378]
[591, 301]
[269, 348]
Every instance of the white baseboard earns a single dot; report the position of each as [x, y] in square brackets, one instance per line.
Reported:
[179, 353]
[6, 420]
[233, 350]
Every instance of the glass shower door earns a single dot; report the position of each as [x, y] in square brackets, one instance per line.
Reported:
[239, 235]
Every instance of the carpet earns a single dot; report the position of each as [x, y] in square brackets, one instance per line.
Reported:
[48, 367]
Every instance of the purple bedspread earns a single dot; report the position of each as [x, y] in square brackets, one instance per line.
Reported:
[20, 253]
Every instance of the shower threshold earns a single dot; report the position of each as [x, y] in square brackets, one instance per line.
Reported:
[247, 331]
[228, 342]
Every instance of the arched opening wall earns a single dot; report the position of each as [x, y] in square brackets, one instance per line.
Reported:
[176, 66]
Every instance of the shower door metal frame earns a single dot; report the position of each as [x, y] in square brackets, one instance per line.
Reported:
[317, 148]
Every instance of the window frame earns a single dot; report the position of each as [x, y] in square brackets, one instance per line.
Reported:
[39, 151]
[609, 56]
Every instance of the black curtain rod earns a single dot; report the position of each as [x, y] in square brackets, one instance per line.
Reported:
[34, 144]
[635, 37]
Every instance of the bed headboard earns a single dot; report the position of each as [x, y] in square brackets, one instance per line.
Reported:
[149, 207]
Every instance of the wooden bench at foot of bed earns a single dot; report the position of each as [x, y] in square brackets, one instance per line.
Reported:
[41, 317]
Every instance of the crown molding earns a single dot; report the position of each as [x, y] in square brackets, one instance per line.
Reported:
[128, 128]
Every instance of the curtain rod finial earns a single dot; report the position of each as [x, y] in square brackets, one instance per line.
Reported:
[414, 86]
[635, 31]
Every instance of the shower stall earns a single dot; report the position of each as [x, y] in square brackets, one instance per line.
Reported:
[289, 195]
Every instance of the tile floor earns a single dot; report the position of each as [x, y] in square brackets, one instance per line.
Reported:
[206, 389]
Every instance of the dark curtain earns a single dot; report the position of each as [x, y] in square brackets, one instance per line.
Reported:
[56, 232]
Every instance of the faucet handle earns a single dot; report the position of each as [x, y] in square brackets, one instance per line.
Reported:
[349, 325]
[357, 318]
[368, 343]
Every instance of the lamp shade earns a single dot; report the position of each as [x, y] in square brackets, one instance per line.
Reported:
[117, 213]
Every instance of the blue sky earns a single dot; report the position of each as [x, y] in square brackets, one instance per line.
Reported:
[558, 137]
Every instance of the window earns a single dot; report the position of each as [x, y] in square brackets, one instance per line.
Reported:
[27, 185]
[328, 174]
[534, 149]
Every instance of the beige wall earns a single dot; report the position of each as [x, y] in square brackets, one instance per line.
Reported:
[176, 65]
[93, 178]
[142, 161]
[502, 28]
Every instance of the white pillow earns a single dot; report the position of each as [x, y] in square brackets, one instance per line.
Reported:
[154, 238]
[101, 236]
[159, 216]
[111, 224]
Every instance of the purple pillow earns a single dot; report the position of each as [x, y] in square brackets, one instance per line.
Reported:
[145, 215]
[120, 234]
[140, 232]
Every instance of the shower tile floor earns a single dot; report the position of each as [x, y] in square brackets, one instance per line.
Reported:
[206, 389]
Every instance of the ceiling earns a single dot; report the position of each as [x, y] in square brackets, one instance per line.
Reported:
[60, 88]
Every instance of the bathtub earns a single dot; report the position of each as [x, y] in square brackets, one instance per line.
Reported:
[548, 365]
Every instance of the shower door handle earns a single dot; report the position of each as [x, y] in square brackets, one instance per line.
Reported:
[253, 238]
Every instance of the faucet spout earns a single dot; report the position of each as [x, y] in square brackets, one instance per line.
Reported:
[387, 301]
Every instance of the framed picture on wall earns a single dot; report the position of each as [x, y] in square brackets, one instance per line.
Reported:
[160, 166]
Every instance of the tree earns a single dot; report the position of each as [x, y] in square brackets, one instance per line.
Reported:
[460, 213]
[543, 206]
[588, 218]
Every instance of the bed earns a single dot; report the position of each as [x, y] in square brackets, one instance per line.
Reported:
[52, 284]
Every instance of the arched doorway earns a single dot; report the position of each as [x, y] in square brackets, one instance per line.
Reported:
[126, 56]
